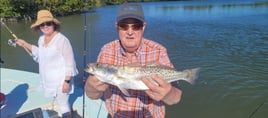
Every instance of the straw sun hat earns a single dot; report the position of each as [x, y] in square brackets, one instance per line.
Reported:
[44, 16]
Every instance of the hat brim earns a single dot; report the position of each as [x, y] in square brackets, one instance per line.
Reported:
[43, 20]
[129, 16]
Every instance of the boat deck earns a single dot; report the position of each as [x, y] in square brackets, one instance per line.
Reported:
[20, 89]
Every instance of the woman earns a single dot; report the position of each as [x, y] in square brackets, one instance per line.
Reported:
[56, 61]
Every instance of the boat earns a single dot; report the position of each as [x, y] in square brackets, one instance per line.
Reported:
[22, 99]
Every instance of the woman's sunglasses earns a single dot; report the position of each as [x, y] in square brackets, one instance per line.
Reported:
[125, 26]
[46, 24]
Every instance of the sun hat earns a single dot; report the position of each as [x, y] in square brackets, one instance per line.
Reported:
[130, 10]
[44, 16]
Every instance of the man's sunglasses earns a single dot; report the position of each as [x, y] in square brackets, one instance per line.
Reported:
[46, 24]
[125, 26]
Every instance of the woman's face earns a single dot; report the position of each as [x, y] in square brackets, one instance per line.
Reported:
[47, 28]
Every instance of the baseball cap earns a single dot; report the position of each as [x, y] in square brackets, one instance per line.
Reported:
[130, 10]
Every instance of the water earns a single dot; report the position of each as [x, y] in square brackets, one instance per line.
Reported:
[227, 39]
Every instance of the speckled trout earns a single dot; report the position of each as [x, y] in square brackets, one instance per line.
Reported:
[129, 77]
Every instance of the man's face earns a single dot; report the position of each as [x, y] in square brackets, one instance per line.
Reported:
[130, 33]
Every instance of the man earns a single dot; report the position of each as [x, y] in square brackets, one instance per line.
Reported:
[133, 48]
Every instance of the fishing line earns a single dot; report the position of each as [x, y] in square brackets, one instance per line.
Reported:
[53, 103]
[13, 42]
[257, 109]
[98, 115]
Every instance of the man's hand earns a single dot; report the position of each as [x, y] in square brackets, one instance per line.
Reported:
[163, 91]
[94, 88]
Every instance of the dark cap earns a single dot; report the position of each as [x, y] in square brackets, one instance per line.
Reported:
[130, 10]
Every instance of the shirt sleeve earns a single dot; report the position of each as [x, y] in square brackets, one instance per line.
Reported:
[35, 49]
[70, 65]
[164, 60]
[107, 54]
[35, 53]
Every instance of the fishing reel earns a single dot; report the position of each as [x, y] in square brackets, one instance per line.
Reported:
[11, 42]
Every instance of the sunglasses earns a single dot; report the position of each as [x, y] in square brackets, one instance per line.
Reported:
[46, 24]
[125, 26]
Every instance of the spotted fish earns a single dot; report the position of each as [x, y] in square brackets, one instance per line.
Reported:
[129, 77]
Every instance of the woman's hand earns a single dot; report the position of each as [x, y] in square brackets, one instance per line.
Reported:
[21, 42]
[66, 87]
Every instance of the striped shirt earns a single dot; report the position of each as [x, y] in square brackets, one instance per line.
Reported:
[138, 104]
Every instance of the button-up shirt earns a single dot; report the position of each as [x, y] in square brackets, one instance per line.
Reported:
[138, 104]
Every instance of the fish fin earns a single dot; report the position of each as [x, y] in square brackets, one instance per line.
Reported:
[155, 63]
[192, 75]
[123, 90]
[152, 64]
[136, 64]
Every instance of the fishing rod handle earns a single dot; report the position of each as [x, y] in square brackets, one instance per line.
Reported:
[14, 36]
[27, 50]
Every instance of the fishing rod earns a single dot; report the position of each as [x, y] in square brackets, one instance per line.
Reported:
[13, 42]
[84, 54]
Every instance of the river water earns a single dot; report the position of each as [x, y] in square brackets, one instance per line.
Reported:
[228, 40]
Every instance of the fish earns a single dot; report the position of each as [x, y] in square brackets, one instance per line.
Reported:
[129, 76]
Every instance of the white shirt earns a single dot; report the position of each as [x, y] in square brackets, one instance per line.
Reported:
[55, 62]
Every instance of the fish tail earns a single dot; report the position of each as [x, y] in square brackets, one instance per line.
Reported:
[192, 75]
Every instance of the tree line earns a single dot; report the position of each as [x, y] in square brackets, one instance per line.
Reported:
[27, 9]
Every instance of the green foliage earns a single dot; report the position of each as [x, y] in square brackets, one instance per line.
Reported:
[28, 8]
[6, 10]
[22, 9]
